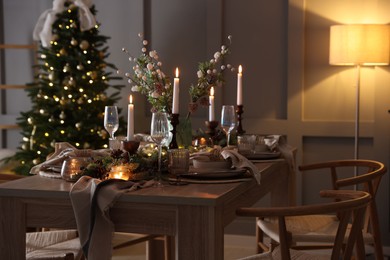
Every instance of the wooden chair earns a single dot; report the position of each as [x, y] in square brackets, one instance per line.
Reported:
[350, 206]
[322, 228]
[65, 245]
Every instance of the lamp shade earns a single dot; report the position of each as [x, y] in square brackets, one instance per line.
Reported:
[359, 44]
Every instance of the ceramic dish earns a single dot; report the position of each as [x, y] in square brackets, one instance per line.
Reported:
[203, 164]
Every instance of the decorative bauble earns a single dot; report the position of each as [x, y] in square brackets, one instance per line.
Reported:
[80, 101]
[63, 52]
[24, 146]
[62, 115]
[51, 119]
[74, 42]
[39, 95]
[63, 101]
[30, 120]
[80, 67]
[66, 68]
[78, 125]
[71, 81]
[36, 161]
[94, 74]
[51, 76]
[84, 45]
[42, 111]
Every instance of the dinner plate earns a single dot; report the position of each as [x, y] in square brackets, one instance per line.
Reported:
[262, 155]
[214, 173]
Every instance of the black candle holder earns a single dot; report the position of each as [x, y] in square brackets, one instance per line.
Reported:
[174, 123]
[240, 111]
[211, 129]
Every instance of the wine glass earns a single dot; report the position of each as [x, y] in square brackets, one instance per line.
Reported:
[228, 120]
[111, 120]
[159, 132]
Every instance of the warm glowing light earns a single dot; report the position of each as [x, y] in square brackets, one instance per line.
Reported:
[85, 52]
[38, 152]
[240, 69]
[89, 101]
[46, 134]
[88, 61]
[90, 81]
[62, 122]
[81, 90]
[62, 132]
[66, 87]
[212, 91]
[77, 144]
[70, 96]
[131, 99]
[51, 84]
[177, 72]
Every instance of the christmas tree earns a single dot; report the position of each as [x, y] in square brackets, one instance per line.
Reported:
[69, 92]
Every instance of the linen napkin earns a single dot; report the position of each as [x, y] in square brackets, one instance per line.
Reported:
[91, 200]
[62, 151]
[240, 161]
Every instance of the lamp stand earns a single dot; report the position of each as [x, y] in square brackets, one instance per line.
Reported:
[357, 115]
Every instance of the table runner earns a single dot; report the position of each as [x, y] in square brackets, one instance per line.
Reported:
[91, 200]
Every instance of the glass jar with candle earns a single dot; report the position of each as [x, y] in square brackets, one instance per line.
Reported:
[72, 168]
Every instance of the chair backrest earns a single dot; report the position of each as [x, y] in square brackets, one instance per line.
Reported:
[367, 176]
[350, 205]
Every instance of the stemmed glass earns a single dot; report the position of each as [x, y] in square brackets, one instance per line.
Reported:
[228, 121]
[159, 131]
[111, 120]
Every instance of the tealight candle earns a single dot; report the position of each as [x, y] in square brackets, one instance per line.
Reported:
[130, 119]
[119, 172]
[175, 103]
[211, 106]
[239, 86]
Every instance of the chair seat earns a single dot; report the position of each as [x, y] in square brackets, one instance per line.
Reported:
[295, 255]
[310, 228]
[54, 244]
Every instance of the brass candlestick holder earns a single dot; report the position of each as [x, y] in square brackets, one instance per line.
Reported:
[174, 123]
[211, 129]
[240, 111]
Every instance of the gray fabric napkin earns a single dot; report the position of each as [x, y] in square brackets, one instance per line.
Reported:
[241, 161]
[91, 200]
[64, 150]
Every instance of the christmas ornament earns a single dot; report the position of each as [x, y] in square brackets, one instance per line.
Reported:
[84, 45]
[30, 120]
[74, 42]
[62, 115]
[63, 52]
[66, 68]
[80, 67]
[36, 161]
[78, 125]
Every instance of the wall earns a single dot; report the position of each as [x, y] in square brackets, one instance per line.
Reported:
[289, 86]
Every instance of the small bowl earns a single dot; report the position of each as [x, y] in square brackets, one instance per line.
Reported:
[199, 163]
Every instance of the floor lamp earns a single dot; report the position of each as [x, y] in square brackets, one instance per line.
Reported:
[359, 45]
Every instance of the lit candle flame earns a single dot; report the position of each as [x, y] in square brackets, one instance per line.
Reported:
[240, 69]
[177, 72]
[212, 91]
[131, 99]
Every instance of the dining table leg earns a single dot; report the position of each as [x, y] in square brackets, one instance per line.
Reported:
[200, 233]
[12, 229]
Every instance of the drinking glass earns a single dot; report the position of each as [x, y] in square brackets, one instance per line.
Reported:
[228, 120]
[159, 132]
[178, 164]
[111, 120]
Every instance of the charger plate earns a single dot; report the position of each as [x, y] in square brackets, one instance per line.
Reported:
[262, 155]
[213, 181]
[203, 173]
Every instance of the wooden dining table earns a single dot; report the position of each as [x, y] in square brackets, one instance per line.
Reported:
[195, 214]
